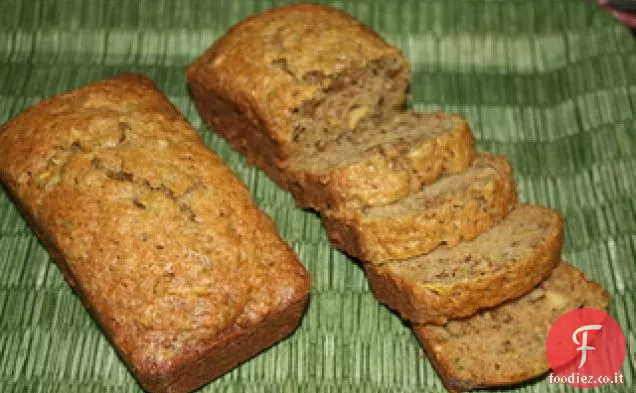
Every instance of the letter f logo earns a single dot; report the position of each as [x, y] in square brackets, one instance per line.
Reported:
[584, 347]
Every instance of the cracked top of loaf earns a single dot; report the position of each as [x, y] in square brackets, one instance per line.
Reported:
[156, 233]
[275, 61]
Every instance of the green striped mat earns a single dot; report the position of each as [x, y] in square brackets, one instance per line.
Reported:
[550, 84]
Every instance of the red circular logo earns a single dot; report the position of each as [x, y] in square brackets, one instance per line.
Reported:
[586, 348]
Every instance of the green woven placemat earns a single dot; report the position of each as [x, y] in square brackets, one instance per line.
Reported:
[550, 84]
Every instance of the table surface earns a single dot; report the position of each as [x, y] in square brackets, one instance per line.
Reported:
[549, 84]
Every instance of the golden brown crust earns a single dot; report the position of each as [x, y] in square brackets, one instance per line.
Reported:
[386, 175]
[260, 71]
[457, 216]
[251, 141]
[437, 301]
[160, 239]
[502, 346]
[226, 352]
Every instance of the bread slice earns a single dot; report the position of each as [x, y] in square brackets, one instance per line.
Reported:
[506, 345]
[277, 77]
[455, 208]
[455, 282]
[379, 163]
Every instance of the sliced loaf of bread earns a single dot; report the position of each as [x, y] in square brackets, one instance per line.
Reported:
[456, 282]
[506, 345]
[277, 77]
[455, 208]
[378, 163]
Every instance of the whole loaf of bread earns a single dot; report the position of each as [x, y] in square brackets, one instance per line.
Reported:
[158, 237]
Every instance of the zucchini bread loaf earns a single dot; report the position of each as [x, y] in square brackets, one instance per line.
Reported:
[158, 237]
[506, 345]
[292, 76]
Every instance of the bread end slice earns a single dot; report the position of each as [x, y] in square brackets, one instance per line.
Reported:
[506, 345]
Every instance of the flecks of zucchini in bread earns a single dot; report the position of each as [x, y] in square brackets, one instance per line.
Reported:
[345, 100]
